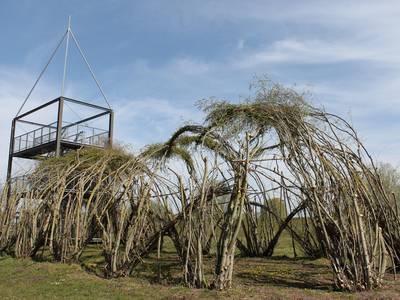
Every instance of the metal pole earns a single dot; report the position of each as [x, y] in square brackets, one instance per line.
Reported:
[89, 67]
[41, 73]
[59, 126]
[66, 56]
[11, 151]
[111, 129]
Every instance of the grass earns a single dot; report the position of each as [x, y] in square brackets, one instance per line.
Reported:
[279, 277]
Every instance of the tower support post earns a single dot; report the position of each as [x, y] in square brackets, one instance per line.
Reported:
[111, 128]
[11, 150]
[10, 158]
[59, 126]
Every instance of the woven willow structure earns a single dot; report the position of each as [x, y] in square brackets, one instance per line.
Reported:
[236, 181]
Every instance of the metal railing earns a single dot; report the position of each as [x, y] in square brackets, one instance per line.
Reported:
[35, 138]
[73, 133]
[85, 135]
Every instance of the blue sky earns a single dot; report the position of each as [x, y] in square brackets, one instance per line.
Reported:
[155, 59]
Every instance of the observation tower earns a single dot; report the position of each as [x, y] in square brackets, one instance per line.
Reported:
[62, 132]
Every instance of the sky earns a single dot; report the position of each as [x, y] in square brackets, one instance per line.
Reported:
[157, 59]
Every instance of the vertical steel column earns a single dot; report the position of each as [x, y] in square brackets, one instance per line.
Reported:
[111, 128]
[59, 126]
[11, 150]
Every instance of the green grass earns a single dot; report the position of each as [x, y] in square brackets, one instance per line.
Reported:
[255, 278]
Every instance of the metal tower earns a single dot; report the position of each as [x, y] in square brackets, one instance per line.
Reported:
[60, 135]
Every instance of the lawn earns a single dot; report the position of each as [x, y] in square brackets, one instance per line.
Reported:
[279, 277]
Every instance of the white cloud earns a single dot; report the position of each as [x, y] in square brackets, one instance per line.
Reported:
[14, 86]
[337, 13]
[298, 51]
[373, 111]
[187, 66]
[149, 120]
[241, 44]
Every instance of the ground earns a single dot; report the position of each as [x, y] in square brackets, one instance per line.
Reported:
[279, 277]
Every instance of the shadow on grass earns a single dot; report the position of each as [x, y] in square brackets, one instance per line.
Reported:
[96, 269]
[42, 258]
[303, 281]
[164, 272]
[87, 257]
[283, 271]
[286, 258]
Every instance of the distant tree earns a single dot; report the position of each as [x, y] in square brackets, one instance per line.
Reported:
[390, 177]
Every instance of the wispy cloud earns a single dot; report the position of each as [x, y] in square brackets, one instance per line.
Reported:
[306, 52]
[14, 86]
[145, 121]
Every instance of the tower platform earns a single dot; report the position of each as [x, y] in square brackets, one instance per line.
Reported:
[60, 136]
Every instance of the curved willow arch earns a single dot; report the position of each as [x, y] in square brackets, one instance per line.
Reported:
[254, 169]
